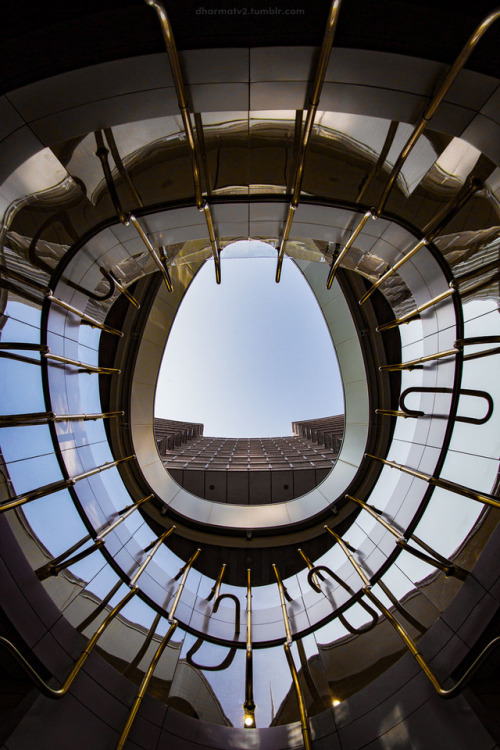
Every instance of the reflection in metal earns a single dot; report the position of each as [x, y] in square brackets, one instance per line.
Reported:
[33, 674]
[345, 548]
[108, 132]
[43, 417]
[218, 598]
[298, 170]
[433, 557]
[436, 228]
[185, 574]
[154, 547]
[173, 57]
[162, 267]
[445, 484]
[249, 705]
[417, 132]
[463, 392]
[83, 316]
[61, 484]
[144, 685]
[54, 567]
[442, 692]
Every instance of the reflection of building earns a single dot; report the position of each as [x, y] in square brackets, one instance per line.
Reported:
[250, 470]
[420, 532]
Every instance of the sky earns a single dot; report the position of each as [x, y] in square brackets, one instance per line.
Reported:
[249, 356]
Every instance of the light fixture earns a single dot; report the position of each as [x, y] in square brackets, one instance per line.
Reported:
[249, 721]
[336, 702]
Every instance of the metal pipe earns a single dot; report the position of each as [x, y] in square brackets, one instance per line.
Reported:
[108, 133]
[122, 288]
[61, 484]
[88, 368]
[249, 705]
[54, 567]
[84, 316]
[446, 484]
[310, 566]
[442, 692]
[412, 364]
[214, 592]
[180, 589]
[340, 257]
[45, 352]
[156, 546]
[349, 556]
[304, 723]
[144, 685]
[175, 66]
[43, 417]
[35, 677]
[411, 315]
[319, 78]
[284, 612]
[142, 234]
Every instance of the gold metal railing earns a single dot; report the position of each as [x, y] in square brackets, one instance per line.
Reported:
[304, 722]
[432, 557]
[175, 66]
[43, 417]
[406, 412]
[61, 484]
[45, 352]
[67, 558]
[417, 132]
[161, 648]
[446, 484]
[249, 704]
[298, 171]
[87, 318]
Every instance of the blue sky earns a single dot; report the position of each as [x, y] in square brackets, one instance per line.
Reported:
[249, 356]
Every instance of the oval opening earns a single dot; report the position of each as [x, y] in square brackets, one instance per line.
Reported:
[249, 403]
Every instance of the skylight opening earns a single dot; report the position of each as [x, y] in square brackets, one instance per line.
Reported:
[248, 357]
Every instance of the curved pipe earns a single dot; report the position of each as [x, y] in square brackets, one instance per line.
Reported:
[463, 391]
[227, 661]
[355, 631]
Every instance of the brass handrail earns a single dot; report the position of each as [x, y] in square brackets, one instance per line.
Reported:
[43, 417]
[433, 558]
[180, 588]
[84, 316]
[62, 561]
[342, 544]
[154, 547]
[408, 641]
[433, 230]
[249, 704]
[161, 266]
[60, 692]
[417, 363]
[175, 66]
[304, 723]
[298, 171]
[446, 484]
[144, 685]
[418, 130]
[61, 484]
[415, 313]
[123, 289]
[286, 620]
[462, 392]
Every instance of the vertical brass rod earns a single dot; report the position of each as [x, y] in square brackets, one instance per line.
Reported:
[349, 556]
[175, 66]
[286, 620]
[61, 484]
[215, 590]
[304, 723]
[249, 704]
[122, 516]
[446, 484]
[319, 79]
[142, 567]
[180, 589]
[144, 686]
[83, 316]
